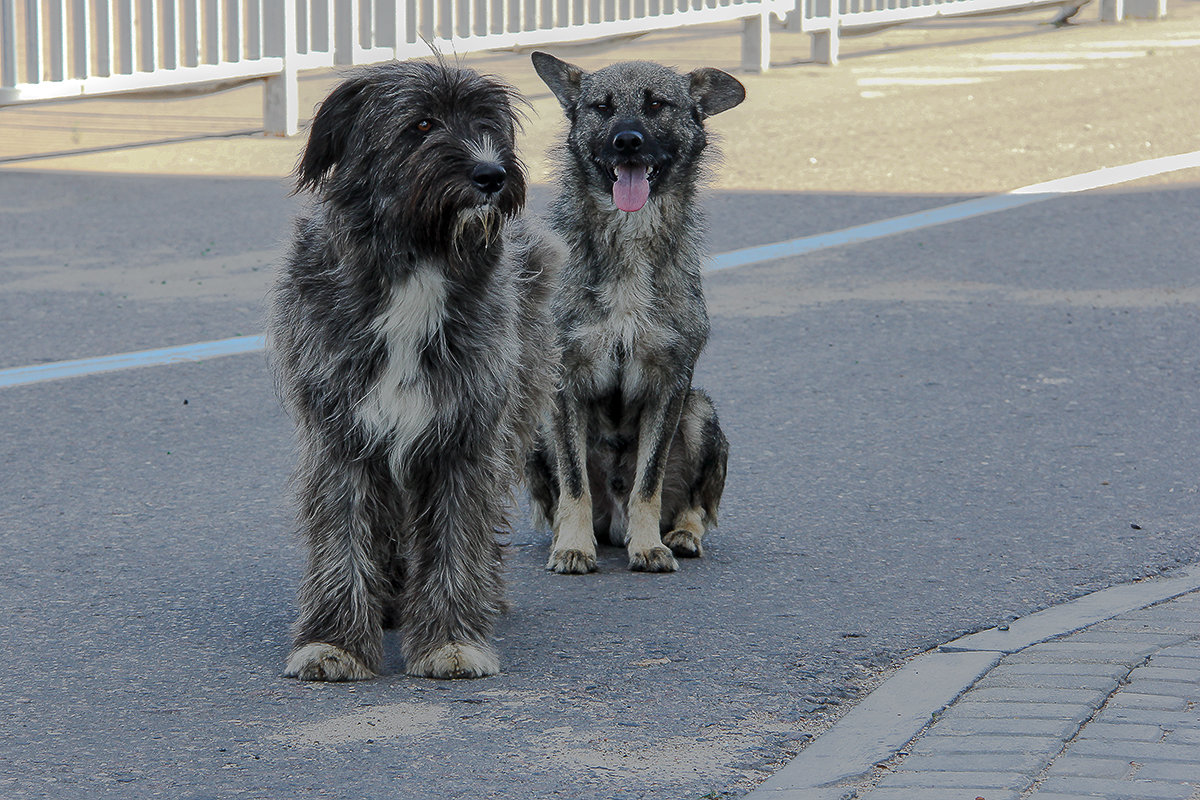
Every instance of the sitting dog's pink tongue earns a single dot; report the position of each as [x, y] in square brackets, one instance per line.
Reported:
[631, 189]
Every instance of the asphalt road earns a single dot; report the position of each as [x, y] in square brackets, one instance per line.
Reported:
[931, 433]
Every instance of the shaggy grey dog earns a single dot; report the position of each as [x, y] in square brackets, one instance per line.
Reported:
[636, 454]
[411, 343]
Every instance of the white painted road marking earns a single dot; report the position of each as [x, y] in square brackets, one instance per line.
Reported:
[1036, 193]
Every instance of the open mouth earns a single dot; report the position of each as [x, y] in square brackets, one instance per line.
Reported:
[631, 184]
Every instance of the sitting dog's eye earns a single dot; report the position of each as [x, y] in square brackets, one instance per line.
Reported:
[654, 105]
[424, 126]
[601, 107]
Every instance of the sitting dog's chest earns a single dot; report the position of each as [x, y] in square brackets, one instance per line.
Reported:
[623, 335]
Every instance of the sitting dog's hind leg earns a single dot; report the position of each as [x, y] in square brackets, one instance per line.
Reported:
[695, 477]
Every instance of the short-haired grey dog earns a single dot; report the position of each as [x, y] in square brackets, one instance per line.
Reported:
[636, 454]
[412, 345]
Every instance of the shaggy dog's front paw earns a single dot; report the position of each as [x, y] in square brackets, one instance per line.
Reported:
[684, 544]
[318, 661]
[456, 660]
[571, 562]
[655, 559]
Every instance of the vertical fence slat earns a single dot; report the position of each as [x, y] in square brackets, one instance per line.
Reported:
[212, 31]
[309, 29]
[169, 25]
[33, 41]
[189, 32]
[327, 29]
[252, 41]
[146, 28]
[57, 31]
[8, 43]
[80, 31]
[123, 17]
[233, 30]
[365, 23]
[345, 30]
[104, 37]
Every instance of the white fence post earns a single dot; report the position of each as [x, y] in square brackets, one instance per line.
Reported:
[281, 93]
[826, 43]
[756, 43]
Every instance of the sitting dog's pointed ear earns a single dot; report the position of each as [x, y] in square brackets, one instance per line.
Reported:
[715, 91]
[562, 78]
[328, 133]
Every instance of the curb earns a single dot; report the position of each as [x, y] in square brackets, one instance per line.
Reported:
[891, 716]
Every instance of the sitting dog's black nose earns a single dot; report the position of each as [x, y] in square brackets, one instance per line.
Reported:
[627, 142]
[488, 178]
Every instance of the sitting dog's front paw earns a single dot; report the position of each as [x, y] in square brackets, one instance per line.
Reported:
[456, 660]
[684, 544]
[571, 562]
[318, 661]
[655, 559]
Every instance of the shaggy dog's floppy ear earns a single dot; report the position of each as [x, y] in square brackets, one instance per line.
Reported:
[562, 78]
[715, 91]
[329, 132]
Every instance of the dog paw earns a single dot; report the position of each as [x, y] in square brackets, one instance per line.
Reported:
[456, 660]
[684, 544]
[571, 562]
[318, 661]
[656, 559]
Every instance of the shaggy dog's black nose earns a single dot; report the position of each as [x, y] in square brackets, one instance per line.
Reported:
[627, 142]
[488, 178]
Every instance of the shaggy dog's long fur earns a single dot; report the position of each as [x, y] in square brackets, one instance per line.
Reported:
[635, 454]
[412, 345]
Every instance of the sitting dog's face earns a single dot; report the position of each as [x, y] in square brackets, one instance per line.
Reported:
[637, 127]
[421, 148]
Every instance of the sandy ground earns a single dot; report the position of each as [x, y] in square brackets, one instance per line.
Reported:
[955, 107]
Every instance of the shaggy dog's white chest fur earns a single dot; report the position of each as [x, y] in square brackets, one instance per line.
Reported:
[398, 407]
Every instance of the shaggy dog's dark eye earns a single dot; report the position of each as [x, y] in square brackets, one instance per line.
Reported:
[424, 126]
[654, 105]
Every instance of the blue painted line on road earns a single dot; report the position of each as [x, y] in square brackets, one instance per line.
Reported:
[875, 230]
[57, 370]
[1036, 193]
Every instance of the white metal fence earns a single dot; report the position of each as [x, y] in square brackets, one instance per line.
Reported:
[825, 20]
[52, 49]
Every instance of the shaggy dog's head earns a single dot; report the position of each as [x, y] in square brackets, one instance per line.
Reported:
[420, 149]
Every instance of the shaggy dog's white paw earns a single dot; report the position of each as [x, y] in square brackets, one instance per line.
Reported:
[456, 660]
[318, 661]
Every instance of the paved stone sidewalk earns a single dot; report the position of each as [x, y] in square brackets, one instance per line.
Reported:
[1123, 695]
[1111, 711]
